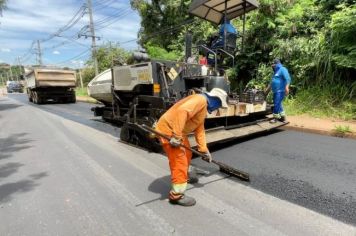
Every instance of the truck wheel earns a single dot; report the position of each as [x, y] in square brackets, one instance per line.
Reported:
[34, 97]
[39, 100]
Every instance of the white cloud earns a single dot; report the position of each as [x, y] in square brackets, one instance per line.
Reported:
[20, 26]
[77, 62]
[5, 49]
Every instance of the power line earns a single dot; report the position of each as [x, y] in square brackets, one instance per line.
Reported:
[111, 17]
[74, 20]
[103, 3]
[69, 40]
[112, 21]
[166, 30]
[82, 54]
[99, 6]
[29, 51]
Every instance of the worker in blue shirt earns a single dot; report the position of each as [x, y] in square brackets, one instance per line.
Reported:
[229, 28]
[280, 88]
[219, 42]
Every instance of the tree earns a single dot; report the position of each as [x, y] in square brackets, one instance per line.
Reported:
[342, 36]
[161, 18]
[106, 54]
[2, 6]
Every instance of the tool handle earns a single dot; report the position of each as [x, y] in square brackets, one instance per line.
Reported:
[168, 138]
[223, 167]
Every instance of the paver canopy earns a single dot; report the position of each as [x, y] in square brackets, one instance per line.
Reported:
[214, 10]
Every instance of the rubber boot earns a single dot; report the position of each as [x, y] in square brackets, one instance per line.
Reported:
[282, 119]
[183, 201]
[273, 121]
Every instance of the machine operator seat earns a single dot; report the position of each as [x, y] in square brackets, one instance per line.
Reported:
[230, 46]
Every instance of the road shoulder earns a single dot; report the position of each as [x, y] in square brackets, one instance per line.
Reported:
[324, 126]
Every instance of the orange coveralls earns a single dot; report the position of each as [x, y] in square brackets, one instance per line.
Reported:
[184, 117]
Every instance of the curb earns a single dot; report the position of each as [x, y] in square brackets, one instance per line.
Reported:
[322, 132]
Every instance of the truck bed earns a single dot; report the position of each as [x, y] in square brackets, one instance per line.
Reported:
[51, 78]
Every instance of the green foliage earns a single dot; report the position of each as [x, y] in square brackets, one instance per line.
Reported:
[159, 20]
[343, 129]
[263, 77]
[156, 52]
[164, 24]
[343, 40]
[323, 101]
[12, 74]
[108, 53]
[81, 91]
[315, 39]
[88, 74]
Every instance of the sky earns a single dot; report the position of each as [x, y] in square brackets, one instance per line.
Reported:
[26, 21]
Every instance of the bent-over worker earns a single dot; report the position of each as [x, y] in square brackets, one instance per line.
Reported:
[184, 117]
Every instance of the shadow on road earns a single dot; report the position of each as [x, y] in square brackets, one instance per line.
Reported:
[8, 106]
[8, 190]
[162, 186]
[9, 168]
[13, 143]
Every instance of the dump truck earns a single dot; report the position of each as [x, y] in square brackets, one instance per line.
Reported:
[140, 93]
[43, 85]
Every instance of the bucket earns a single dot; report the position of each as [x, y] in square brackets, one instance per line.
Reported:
[204, 71]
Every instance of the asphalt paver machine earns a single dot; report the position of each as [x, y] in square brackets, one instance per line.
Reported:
[142, 92]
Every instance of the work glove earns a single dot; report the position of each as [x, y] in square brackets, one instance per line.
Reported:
[207, 157]
[175, 142]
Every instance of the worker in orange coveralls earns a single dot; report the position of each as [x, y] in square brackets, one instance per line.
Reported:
[184, 117]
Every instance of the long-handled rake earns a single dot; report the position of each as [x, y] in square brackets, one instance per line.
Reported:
[223, 167]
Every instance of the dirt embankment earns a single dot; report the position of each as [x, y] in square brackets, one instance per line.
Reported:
[325, 126]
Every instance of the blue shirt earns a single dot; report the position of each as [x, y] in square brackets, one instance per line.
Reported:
[280, 79]
[229, 28]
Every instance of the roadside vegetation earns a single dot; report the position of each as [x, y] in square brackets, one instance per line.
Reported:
[342, 131]
[81, 91]
[315, 39]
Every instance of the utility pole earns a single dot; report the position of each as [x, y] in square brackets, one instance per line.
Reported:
[80, 77]
[39, 53]
[11, 75]
[92, 31]
[112, 55]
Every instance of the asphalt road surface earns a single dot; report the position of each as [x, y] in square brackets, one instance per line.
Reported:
[63, 172]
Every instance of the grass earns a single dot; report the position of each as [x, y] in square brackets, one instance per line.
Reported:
[81, 91]
[321, 103]
[83, 94]
[342, 130]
